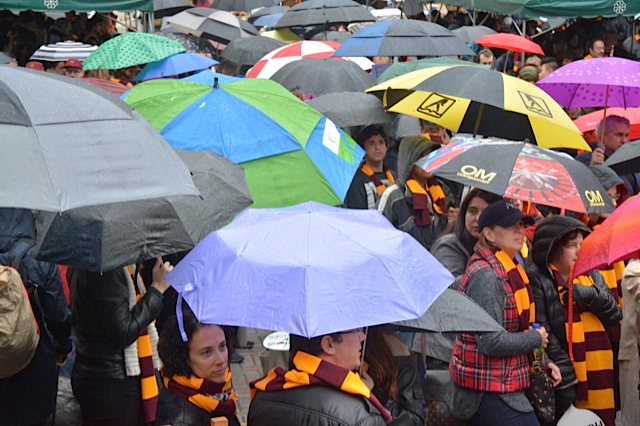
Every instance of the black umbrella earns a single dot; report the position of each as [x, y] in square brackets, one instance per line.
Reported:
[339, 36]
[248, 51]
[347, 109]
[269, 10]
[241, 5]
[101, 238]
[453, 312]
[217, 25]
[162, 8]
[321, 12]
[190, 42]
[470, 34]
[626, 159]
[403, 125]
[321, 76]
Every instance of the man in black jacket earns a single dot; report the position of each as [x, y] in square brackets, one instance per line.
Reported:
[29, 397]
[321, 388]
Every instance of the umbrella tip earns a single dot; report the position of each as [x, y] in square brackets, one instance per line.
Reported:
[215, 83]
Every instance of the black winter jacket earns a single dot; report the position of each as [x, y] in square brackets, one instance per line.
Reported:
[312, 405]
[549, 312]
[175, 411]
[104, 324]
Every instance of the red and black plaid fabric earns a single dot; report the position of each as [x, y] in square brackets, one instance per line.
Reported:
[472, 369]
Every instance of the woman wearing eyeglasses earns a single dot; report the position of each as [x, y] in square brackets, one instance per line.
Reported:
[490, 371]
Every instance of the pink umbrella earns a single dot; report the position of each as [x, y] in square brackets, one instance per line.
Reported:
[108, 85]
[588, 122]
[273, 61]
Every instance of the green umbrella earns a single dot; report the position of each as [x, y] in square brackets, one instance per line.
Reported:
[131, 49]
[290, 152]
[401, 68]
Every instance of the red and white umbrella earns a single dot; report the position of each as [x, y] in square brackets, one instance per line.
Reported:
[276, 59]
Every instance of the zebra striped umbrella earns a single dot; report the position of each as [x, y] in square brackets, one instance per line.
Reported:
[63, 51]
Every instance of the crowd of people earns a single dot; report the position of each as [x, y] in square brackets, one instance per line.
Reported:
[137, 361]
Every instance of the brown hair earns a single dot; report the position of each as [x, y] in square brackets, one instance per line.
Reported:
[383, 367]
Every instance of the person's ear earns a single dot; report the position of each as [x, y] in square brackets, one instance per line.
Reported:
[328, 345]
[488, 235]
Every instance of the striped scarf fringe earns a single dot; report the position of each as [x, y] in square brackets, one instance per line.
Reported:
[312, 370]
[421, 200]
[592, 354]
[141, 357]
[522, 292]
[214, 398]
[380, 186]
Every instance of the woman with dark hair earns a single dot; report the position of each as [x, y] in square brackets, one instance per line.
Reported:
[490, 371]
[196, 374]
[455, 246]
[589, 378]
[395, 375]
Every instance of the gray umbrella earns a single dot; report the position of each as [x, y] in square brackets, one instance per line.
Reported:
[626, 159]
[101, 238]
[217, 25]
[321, 76]
[67, 144]
[320, 12]
[241, 5]
[348, 109]
[470, 34]
[453, 312]
[403, 125]
[5, 59]
[339, 36]
[248, 51]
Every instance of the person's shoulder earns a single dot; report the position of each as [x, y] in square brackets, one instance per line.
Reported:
[390, 195]
[449, 241]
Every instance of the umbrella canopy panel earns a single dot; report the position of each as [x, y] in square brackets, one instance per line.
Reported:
[309, 270]
[248, 51]
[321, 12]
[214, 24]
[102, 238]
[522, 171]
[481, 101]
[349, 109]
[469, 34]
[131, 49]
[91, 149]
[63, 51]
[400, 68]
[403, 37]
[241, 5]
[175, 65]
[321, 76]
[509, 41]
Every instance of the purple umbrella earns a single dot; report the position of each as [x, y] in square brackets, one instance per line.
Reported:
[598, 82]
[310, 270]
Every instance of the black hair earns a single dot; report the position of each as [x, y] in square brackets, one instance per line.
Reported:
[173, 352]
[368, 131]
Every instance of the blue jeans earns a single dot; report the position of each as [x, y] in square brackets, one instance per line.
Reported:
[494, 412]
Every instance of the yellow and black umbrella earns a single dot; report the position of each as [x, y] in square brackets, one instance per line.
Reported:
[481, 102]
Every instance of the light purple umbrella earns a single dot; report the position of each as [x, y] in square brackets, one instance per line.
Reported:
[597, 82]
[309, 270]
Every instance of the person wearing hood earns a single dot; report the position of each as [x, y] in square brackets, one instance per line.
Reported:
[617, 191]
[29, 397]
[588, 380]
[416, 202]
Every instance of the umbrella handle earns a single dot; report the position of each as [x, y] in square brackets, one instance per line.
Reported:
[570, 313]
[604, 120]
[364, 348]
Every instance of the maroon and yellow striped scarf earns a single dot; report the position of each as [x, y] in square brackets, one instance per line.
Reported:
[592, 354]
[421, 202]
[522, 292]
[380, 187]
[214, 398]
[312, 370]
[148, 381]
[612, 275]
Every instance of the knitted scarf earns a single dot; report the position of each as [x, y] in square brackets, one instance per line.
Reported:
[522, 292]
[212, 397]
[592, 354]
[380, 187]
[313, 371]
[421, 200]
[612, 275]
[141, 357]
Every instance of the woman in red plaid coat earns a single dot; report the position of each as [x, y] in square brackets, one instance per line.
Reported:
[490, 371]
